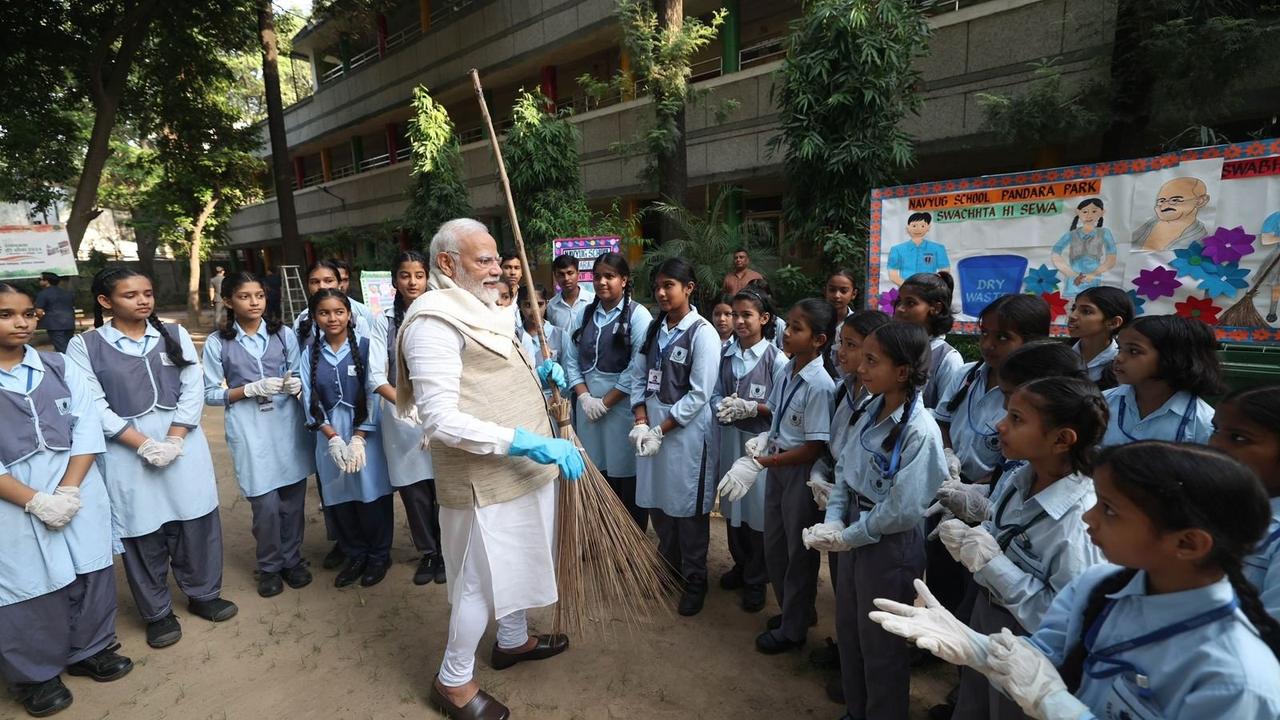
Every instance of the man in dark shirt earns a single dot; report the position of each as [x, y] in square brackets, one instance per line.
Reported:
[55, 306]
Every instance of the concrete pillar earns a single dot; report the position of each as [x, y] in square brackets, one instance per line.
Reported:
[299, 172]
[424, 15]
[733, 210]
[731, 39]
[633, 251]
[314, 61]
[403, 238]
[326, 164]
[547, 84]
[344, 51]
[381, 23]
[311, 258]
[624, 66]
[390, 131]
[357, 152]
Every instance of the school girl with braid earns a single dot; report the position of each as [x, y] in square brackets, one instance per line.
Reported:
[251, 368]
[1177, 632]
[408, 463]
[338, 392]
[149, 391]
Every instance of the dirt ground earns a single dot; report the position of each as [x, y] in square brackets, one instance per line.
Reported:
[358, 653]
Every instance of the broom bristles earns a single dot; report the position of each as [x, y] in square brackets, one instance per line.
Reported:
[606, 568]
[1242, 313]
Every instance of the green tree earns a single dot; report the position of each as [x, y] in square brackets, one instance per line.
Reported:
[541, 152]
[437, 192]
[249, 92]
[1049, 112]
[843, 90]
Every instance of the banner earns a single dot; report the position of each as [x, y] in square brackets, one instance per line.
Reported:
[1195, 233]
[586, 250]
[378, 291]
[28, 250]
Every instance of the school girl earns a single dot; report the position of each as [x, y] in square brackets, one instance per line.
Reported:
[1246, 426]
[603, 353]
[57, 584]
[527, 330]
[1177, 633]
[745, 384]
[321, 275]
[886, 475]
[1033, 542]
[358, 309]
[409, 466]
[1097, 315]
[840, 291]
[671, 404]
[1166, 363]
[251, 368]
[761, 285]
[722, 319]
[159, 473]
[339, 393]
[925, 300]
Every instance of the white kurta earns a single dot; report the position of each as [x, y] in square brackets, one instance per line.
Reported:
[517, 535]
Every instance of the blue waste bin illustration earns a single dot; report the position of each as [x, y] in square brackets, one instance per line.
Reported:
[986, 277]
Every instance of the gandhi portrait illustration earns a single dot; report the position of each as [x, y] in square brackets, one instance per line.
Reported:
[1175, 223]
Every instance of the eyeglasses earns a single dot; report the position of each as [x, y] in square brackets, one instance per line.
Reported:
[484, 261]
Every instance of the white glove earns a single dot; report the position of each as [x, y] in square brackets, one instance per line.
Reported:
[756, 445]
[338, 452]
[825, 537]
[355, 454]
[160, 453]
[953, 463]
[592, 406]
[972, 547]
[290, 385]
[637, 435]
[54, 510]
[820, 486]
[1029, 679]
[651, 443]
[734, 408]
[932, 628]
[266, 387]
[964, 500]
[741, 476]
[410, 416]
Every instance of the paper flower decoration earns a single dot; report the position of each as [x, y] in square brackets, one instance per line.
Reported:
[1228, 279]
[1228, 245]
[1138, 302]
[1192, 263]
[1157, 283]
[1198, 308]
[1057, 304]
[887, 300]
[1041, 280]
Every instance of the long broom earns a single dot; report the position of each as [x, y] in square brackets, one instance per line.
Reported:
[1243, 313]
[606, 567]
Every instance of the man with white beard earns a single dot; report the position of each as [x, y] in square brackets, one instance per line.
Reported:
[482, 409]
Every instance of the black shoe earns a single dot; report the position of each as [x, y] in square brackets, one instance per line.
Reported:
[334, 559]
[270, 584]
[942, 711]
[106, 666]
[1271, 317]
[351, 573]
[374, 571]
[43, 699]
[775, 622]
[426, 571]
[546, 646]
[771, 643]
[835, 690]
[827, 656]
[753, 598]
[732, 580]
[215, 610]
[164, 632]
[438, 569]
[298, 576]
[694, 595]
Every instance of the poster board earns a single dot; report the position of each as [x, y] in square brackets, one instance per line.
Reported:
[28, 250]
[377, 290]
[1194, 233]
[586, 250]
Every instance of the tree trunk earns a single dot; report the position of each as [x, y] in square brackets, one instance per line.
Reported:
[281, 168]
[106, 86]
[146, 241]
[193, 265]
[1131, 85]
[673, 167]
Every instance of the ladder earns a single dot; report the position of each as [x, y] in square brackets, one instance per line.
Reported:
[295, 294]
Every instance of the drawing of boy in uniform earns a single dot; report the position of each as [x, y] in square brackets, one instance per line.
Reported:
[1085, 252]
[919, 254]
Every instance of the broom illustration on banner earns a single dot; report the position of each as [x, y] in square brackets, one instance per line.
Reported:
[606, 566]
[1243, 313]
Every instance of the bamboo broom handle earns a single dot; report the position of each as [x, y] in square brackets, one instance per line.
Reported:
[515, 221]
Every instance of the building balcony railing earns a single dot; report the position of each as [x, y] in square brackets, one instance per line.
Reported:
[341, 172]
[441, 15]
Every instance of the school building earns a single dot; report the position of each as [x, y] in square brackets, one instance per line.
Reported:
[350, 156]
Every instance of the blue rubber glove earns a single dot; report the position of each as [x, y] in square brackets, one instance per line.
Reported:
[551, 372]
[547, 450]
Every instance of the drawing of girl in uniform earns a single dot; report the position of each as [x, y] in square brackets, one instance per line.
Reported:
[1085, 252]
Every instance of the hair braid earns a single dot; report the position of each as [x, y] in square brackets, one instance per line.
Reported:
[969, 378]
[1251, 604]
[652, 336]
[623, 335]
[317, 412]
[896, 431]
[172, 346]
[1072, 667]
[361, 403]
[304, 329]
[227, 329]
[588, 314]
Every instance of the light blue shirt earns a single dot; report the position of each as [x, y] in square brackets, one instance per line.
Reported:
[901, 499]
[1052, 550]
[973, 424]
[215, 390]
[1262, 568]
[949, 365]
[1100, 362]
[363, 317]
[909, 259]
[702, 376]
[638, 327]
[1215, 671]
[373, 409]
[1182, 418]
[561, 314]
[801, 405]
[744, 360]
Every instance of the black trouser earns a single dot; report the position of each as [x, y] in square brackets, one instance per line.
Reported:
[625, 489]
[365, 530]
[683, 541]
[746, 546]
[422, 508]
[60, 338]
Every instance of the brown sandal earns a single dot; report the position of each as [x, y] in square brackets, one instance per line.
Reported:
[481, 707]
